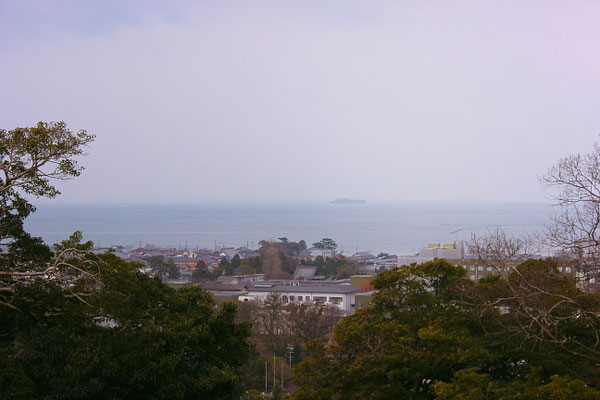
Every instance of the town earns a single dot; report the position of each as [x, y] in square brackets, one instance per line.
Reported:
[297, 274]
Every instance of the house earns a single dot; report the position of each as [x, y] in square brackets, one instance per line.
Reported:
[304, 273]
[387, 261]
[363, 258]
[245, 252]
[227, 253]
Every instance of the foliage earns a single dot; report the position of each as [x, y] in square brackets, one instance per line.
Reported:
[306, 322]
[469, 385]
[158, 265]
[172, 270]
[134, 337]
[29, 159]
[326, 244]
[335, 267]
[201, 272]
[284, 245]
[426, 322]
[78, 325]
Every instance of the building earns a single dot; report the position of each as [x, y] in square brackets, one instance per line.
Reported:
[363, 258]
[339, 295]
[235, 279]
[455, 250]
[304, 273]
[313, 252]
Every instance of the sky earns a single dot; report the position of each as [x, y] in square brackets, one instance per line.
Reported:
[238, 101]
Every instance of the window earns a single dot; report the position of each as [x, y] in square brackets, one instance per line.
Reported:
[480, 268]
[319, 299]
[568, 270]
[336, 300]
[299, 298]
[472, 277]
[284, 299]
[361, 304]
[291, 299]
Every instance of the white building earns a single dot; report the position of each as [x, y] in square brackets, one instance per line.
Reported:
[313, 252]
[339, 295]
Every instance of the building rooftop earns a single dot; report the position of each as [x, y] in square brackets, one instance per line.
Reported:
[302, 288]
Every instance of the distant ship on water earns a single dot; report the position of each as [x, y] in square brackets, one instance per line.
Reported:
[346, 200]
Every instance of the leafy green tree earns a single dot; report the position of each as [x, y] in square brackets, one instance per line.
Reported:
[426, 322]
[30, 159]
[158, 265]
[134, 337]
[334, 267]
[172, 270]
[470, 385]
[78, 325]
[225, 267]
[326, 243]
[235, 262]
[201, 272]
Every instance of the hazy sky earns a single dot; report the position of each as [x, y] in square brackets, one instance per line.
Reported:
[307, 100]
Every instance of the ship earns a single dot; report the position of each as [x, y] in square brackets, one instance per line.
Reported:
[347, 201]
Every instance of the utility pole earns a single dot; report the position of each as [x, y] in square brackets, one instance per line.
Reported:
[266, 376]
[290, 351]
[274, 372]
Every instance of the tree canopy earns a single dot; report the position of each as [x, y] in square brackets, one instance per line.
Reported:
[431, 332]
[75, 325]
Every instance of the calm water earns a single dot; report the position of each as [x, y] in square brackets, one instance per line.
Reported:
[394, 228]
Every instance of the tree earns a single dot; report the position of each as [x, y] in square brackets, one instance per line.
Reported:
[133, 338]
[326, 243]
[334, 267]
[74, 324]
[158, 265]
[226, 267]
[30, 158]
[574, 183]
[270, 323]
[470, 385]
[172, 270]
[200, 272]
[235, 262]
[311, 321]
[427, 322]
